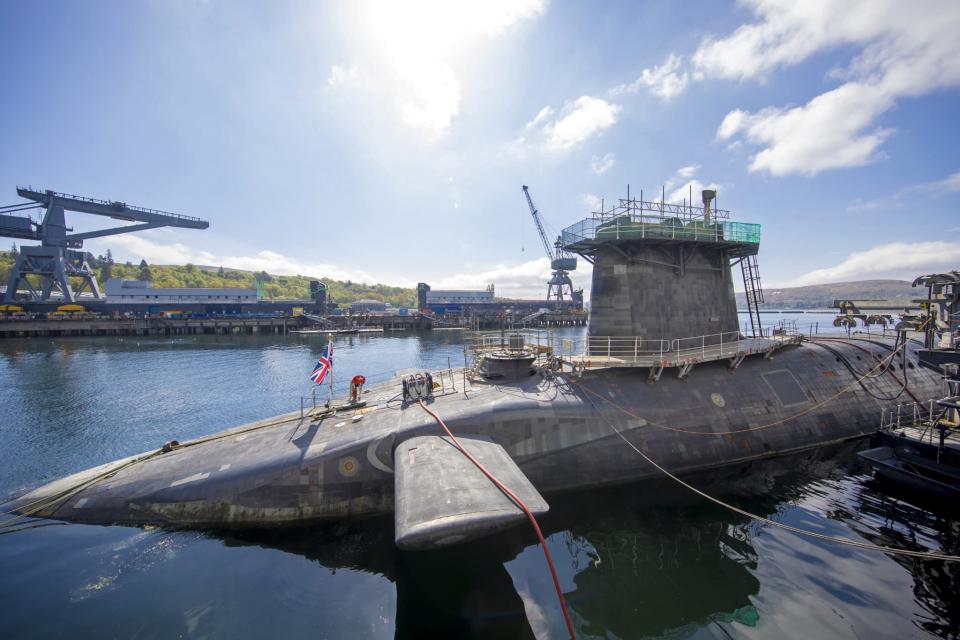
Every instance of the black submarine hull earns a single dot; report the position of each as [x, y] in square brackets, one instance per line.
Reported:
[561, 432]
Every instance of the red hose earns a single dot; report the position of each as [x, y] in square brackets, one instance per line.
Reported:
[520, 503]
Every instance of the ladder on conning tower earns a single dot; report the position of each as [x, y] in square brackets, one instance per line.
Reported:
[753, 291]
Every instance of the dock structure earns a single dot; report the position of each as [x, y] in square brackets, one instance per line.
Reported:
[105, 326]
[273, 318]
[57, 259]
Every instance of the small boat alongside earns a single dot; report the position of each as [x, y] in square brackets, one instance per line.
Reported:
[917, 446]
[921, 466]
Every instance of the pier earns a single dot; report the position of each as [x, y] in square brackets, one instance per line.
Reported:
[89, 324]
[48, 327]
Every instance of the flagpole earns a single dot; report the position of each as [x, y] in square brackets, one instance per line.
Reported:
[330, 357]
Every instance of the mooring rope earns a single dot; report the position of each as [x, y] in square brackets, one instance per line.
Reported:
[926, 555]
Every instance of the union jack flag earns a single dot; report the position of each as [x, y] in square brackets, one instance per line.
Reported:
[324, 364]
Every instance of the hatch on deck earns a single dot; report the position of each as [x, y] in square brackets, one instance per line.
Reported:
[443, 499]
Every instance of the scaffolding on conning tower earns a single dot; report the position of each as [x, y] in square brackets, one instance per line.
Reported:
[691, 241]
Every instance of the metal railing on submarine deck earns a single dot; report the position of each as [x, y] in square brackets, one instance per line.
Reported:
[479, 344]
[917, 417]
[539, 342]
[644, 352]
[633, 227]
[620, 351]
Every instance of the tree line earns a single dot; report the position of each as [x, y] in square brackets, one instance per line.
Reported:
[273, 287]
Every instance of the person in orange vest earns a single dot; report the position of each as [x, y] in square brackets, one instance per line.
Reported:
[356, 387]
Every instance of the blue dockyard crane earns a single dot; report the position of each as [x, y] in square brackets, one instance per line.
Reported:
[561, 261]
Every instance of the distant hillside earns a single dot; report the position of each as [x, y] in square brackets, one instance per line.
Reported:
[274, 286]
[821, 296]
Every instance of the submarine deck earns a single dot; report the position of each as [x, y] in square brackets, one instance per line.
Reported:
[620, 351]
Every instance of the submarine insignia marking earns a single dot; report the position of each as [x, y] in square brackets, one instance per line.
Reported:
[349, 466]
[374, 460]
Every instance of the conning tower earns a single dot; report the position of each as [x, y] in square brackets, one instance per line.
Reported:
[661, 272]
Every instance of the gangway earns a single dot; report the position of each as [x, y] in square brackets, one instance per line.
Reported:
[534, 316]
[57, 258]
[323, 322]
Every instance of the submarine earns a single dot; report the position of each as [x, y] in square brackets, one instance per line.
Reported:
[664, 370]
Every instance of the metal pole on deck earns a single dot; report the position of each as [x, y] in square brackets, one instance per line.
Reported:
[330, 356]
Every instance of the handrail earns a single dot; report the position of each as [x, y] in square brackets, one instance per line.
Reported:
[710, 346]
[110, 203]
[640, 227]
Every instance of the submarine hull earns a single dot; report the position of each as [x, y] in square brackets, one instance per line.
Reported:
[563, 433]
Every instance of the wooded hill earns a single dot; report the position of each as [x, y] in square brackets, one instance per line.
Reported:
[821, 296]
[274, 286]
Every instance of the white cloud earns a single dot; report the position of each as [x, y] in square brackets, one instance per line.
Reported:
[137, 247]
[732, 123]
[575, 123]
[897, 259]
[829, 132]
[601, 164]
[341, 75]
[934, 187]
[663, 81]
[526, 280]
[903, 51]
[689, 192]
[417, 45]
[593, 202]
[579, 121]
[950, 183]
[542, 115]
[681, 184]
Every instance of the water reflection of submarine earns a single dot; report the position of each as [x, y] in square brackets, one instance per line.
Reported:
[676, 570]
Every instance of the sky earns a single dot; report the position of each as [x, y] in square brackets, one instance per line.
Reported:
[388, 142]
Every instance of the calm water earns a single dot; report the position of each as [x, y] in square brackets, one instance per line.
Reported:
[631, 566]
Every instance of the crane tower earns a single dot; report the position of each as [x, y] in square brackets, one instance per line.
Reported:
[561, 261]
[56, 259]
